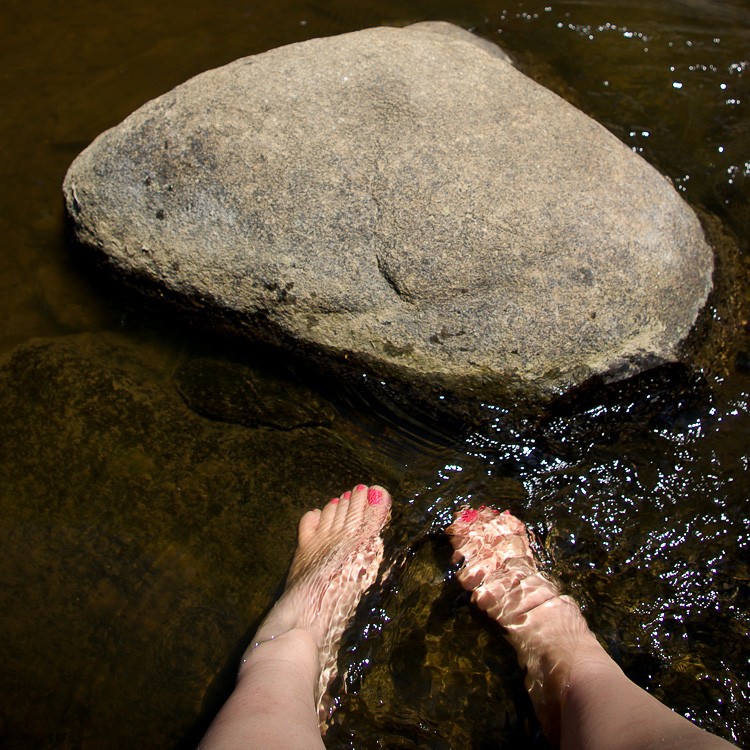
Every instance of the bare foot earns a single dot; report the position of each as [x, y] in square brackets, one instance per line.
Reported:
[546, 629]
[339, 551]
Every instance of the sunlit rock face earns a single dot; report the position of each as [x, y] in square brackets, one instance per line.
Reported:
[402, 200]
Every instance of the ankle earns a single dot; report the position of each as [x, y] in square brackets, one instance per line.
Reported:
[551, 640]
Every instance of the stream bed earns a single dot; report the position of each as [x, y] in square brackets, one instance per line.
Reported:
[151, 475]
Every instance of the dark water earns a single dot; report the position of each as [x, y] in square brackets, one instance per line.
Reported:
[150, 477]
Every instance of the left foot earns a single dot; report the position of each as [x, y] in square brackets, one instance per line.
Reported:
[339, 551]
[546, 629]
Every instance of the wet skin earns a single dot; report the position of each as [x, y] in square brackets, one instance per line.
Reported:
[281, 697]
[583, 699]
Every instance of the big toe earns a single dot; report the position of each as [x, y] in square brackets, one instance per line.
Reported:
[368, 509]
[378, 507]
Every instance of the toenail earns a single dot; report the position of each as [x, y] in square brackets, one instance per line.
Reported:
[360, 487]
[482, 507]
[346, 495]
[469, 515]
[374, 496]
[334, 500]
[506, 512]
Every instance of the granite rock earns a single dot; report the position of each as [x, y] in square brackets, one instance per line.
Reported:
[404, 201]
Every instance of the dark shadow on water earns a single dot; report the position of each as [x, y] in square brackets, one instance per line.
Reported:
[665, 397]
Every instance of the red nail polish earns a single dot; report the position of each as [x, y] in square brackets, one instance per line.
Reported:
[482, 507]
[346, 495]
[468, 515]
[334, 500]
[506, 512]
[360, 487]
[374, 496]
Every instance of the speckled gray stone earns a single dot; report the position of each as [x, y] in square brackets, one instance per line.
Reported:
[403, 200]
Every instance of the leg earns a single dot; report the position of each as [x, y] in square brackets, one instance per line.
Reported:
[281, 698]
[582, 698]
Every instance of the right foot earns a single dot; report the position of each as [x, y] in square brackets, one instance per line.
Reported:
[339, 551]
[546, 629]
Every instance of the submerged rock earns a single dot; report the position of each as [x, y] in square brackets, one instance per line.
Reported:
[141, 542]
[402, 200]
[231, 392]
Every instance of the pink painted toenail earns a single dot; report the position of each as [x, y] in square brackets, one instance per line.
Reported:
[346, 495]
[360, 487]
[482, 507]
[469, 515]
[374, 497]
[506, 512]
[495, 511]
[334, 500]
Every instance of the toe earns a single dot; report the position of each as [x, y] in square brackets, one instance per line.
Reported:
[377, 509]
[330, 510]
[344, 509]
[354, 512]
[308, 525]
[377, 495]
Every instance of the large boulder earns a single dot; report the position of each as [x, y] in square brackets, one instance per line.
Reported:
[404, 200]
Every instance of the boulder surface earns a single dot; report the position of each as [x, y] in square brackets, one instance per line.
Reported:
[403, 200]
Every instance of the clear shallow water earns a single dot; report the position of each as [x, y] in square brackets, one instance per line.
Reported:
[139, 547]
